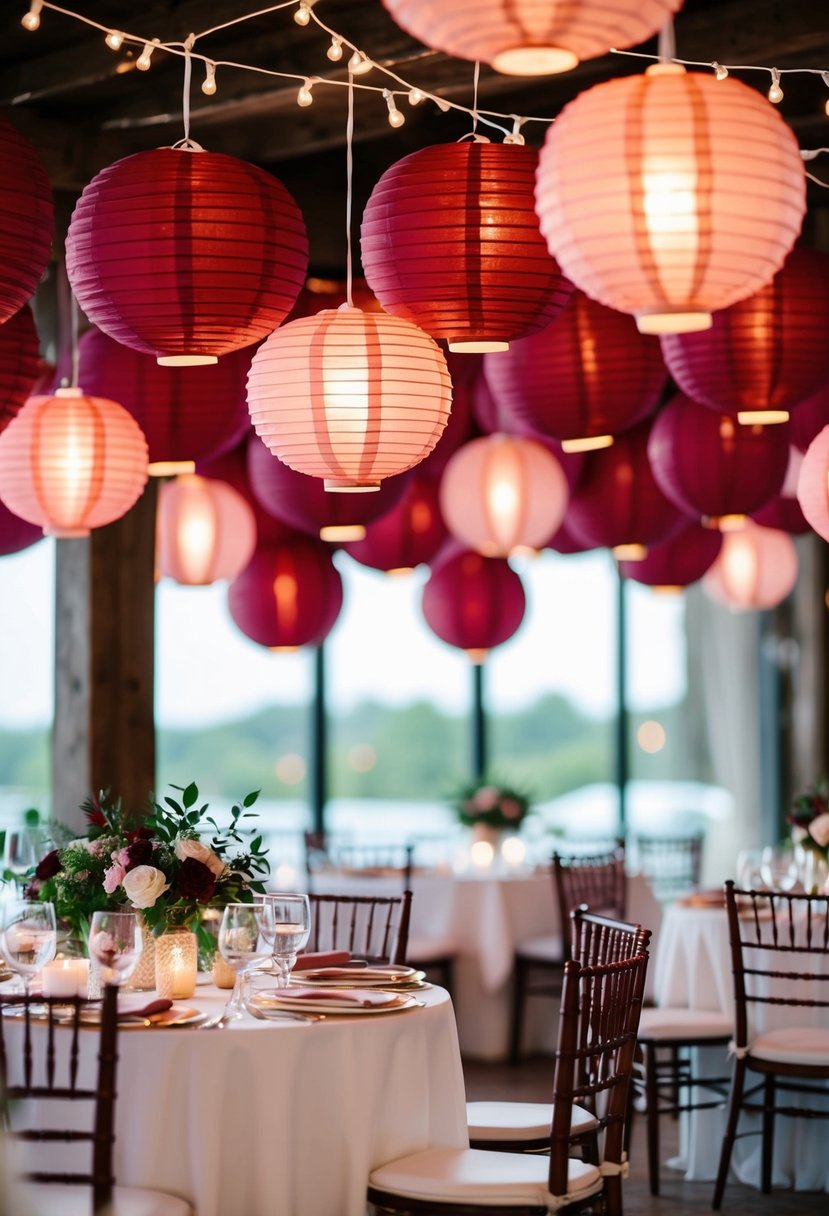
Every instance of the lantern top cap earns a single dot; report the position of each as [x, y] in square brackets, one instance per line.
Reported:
[665, 69]
[68, 392]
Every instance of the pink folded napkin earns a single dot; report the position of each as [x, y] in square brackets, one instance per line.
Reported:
[337, 996]
[139, 1007]
[321, 958]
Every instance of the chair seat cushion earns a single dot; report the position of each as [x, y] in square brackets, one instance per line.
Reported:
[541, 949]
[667, 1022]
[520, 1120]
[476, 1176]
[54, 1199]
[795, 1045]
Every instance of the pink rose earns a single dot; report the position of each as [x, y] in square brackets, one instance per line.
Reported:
[819, 829]
[511, 809]
[486, 799]
[122, 857]
[113, 878]
[186, 847]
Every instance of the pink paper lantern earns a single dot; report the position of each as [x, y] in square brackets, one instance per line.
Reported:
[712, 467]
[349, 397]
[26, 220]
[783, 512]
[810, 417]
[583, 379]
[642, 195]
[450, 240]
[205, 531]
[763, 354]
[530, 37]
[756, 569]
[473, 602]
[677, 562]
[287, 596]
[70, 463]
[16, 533]
[185, 254]
[407, 535]
[501, 493]
[813, 484]
[232, 468]
[19, 363]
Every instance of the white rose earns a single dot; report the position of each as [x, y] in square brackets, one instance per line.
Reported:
[202, 853]
[143, 885]
[819, 829]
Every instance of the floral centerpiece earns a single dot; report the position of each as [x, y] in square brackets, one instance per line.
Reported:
[809, 818]
[496, 806]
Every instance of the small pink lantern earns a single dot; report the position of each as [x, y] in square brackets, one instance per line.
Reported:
[19, 363]
[677, 562]
[71, 463]
[756, 569]
[205, 532]
[813, 484]
[407, 535]
[26, 220]
[350, 397]
[501, 493]
[232, 467]
[288, 595]
[473, 602]
[16, 533]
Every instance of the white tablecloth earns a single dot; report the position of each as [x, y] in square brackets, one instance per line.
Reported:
[287, 1118]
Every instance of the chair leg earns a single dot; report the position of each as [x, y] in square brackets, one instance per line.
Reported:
[768, 1135]
[633, 1089]
[735, 1101]
[518, 1003]
[612, 1196]
[652, 1116]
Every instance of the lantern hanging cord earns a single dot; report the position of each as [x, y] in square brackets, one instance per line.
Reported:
[74, 337]
[667, 42]
[475, 81]
[349, 191]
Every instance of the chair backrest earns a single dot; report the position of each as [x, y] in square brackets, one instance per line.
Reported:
[671, 864]
[596, 939]
[597, 880]
[374, 927]
[39, 1060]
[375, 860]
[779, 955]
[598, 1023]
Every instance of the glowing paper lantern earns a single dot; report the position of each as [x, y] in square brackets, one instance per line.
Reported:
[756, 568]
[713, 468]
[287, 596]
[671, 194]
[473, 602]
[406, 536]
[26, 220]
[764, 354]
[349, 396]
[784, 512]
[583, 379]
[16, 533]
[232, 467]
[813, 484]
[678, 562]
[530, 37]
[501, 493]
[450, 240]
[186, 254]
[19, 363]
[205, 532]
[70, 463]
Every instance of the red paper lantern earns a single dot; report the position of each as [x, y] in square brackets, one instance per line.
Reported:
[186, 413]
[186, 254]
[450, 241]
[764, 354]
[643, 197]
[583, 379]
[70, 463]
[565, 541]
[349, 396]
[678, 562]
[19, 363]
[408, 535]
[756, 569]
[809, 418]
[26, 220]
[530, 37]
[783, 512]
[501, 493]
[618, 504]
[492, 419]
[712, 467]
[461, 427]
[16, 533]
[473, 602]
[813, 484]
[287, 596]
[205, 532]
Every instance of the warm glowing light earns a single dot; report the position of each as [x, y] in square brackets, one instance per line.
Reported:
[590, 443]
[31, 20]
[303, 15]
[114, 40]
[342, 532]
[481, 854]
[209, 83]
[765, 417]
[290, 768]
[513, 851]
[651, 737]
[630, 553]
[171, 468]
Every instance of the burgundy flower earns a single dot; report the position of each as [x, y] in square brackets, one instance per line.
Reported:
[94, 814]
[195, 881]
[32, 889]
[139, 834]
[139, 853]
[48, 866]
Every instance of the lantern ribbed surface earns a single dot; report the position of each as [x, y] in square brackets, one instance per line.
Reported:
[530, 37]
[450, 240]
[589, 374]
[813, 484]
[473, 602]
[26, 220]
[809, 418]
[756, 569]
[16, 533]
[712, 467]
[678, 562]
[565, 541]
[186, 255]
[407, 535]
[671, 194]
[501, 493]
[463, 370]
[767, 352]
[70, 463]
[19, 363]
[205, 531]
[288, 595]
[349, 396]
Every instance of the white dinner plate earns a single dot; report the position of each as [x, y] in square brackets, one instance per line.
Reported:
[363, 977]
[330, 1005]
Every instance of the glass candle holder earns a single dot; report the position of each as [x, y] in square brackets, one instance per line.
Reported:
[176, 963]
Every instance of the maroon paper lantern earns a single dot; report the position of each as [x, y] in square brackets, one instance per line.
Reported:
[19, 363]
[16, 533]
[288, 595]
[764, 354]
[461, 427]
[232, 467]
[451, 241]
[678, 562]
[409, 534]
[186, 413]
[566, 542]
[712, 467]
[473, 602]
[26, 220]
[492, 418]
[618, 504]
[186, 254]
[784, 511]
[809, 418]
[583, 379]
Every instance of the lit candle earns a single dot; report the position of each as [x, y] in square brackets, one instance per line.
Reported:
[513, 851]
[176, 962]
[482, 854]
[65, 977]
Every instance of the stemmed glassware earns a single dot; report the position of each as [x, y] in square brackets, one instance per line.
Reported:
[21, 852]
[779, 868]
[28, 937]
[244, 940]
[115, 945]
[291, 915]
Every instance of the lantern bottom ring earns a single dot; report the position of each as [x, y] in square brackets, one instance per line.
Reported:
[476, 346]
[338, 486]
[587, 443]
[632, 552]
[724, 523]
[672, 321]
[66, 533]
[534, 60]
[763, 417]
[186, 360]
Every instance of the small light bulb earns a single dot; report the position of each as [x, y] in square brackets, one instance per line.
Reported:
[31, 20]
[359, 64]
[145, 59]
[775, 92]
[396, 118]
[415, 97]
[305, 97]
[114, 40]
[303, 15]
[209, 83]
[826, 108]
[335, 51]
[442, 105]
[719, 71]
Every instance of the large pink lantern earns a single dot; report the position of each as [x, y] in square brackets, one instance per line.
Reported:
[19, 363]
[205, 531]
[677, 562]
[756, 569]
[473, 602]
[641, 191]
[813, 484]
[288, 595]
[409, 534]
[26, 220]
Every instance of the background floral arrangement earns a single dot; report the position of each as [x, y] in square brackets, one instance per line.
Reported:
[498, 806]
[809, 817]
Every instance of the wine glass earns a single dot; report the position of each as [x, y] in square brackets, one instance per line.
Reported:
[291, 930]
[749, 864]
[28, 937]
[244, 940]
[21, 853]
[115, 944]
[778, 867]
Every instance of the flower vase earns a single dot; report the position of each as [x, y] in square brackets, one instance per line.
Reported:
[488, 833]
[176, 963]
[143, 977]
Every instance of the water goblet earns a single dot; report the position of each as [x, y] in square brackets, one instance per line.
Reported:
[115, 944]
[22, 851]
[748, 869]
[243, 941]
[291, 930]
[778, 868]
[28, 937]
